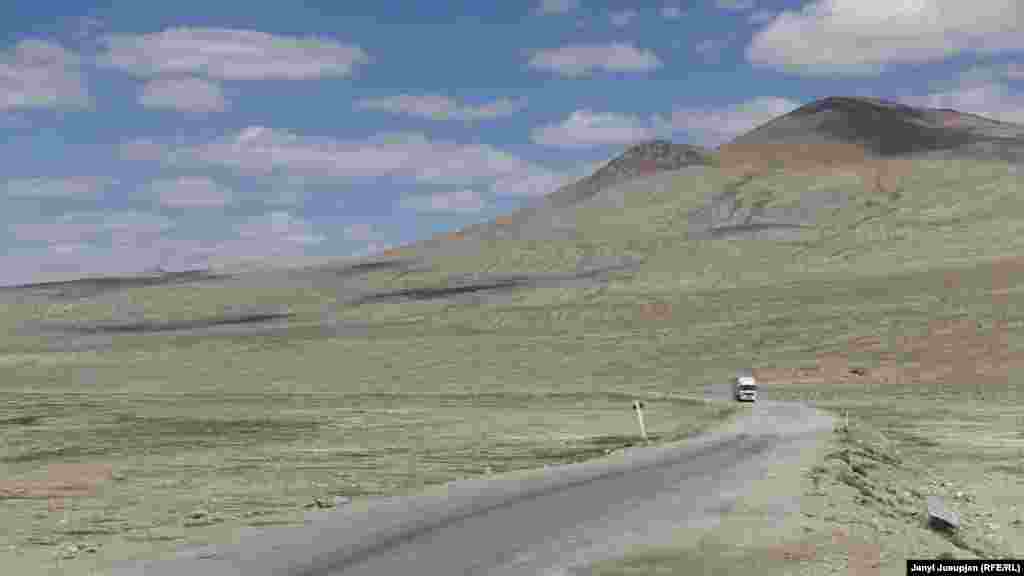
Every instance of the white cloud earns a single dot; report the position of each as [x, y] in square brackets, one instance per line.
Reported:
[863, 36]
[259, 150]
[557, 6]
[671, 11]
[623, 18]
[190, 192]
[460, 202]
[60, 232]
[991, 100]
[279, 226]
[575, 60]
[371, 249]
[736, 5]
[540, 182]
[714, 126]
[359, 232]
[124, 227]
[58, 187]
[188, 94]
[38, 74]
[586, 129]
[296, 160]
[73, 245]
[230, 54]
[370, 237]
[437, 107]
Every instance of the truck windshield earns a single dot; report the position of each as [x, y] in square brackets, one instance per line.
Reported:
[748, 387]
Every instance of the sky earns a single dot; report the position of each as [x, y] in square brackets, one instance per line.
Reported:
[189, 134]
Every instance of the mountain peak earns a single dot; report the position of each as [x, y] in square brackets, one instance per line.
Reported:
[642, 159]
[858, 126]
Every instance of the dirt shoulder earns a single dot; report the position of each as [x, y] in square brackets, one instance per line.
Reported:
[849, 505]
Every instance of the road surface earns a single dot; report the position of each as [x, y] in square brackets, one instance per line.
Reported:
[553, 521]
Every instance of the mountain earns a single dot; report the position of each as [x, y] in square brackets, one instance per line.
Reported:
[849, 130]
[640, 160]
[535, 221]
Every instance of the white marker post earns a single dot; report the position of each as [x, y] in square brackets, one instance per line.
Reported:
[638, 407]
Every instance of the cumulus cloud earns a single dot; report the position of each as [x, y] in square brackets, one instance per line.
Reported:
[623, 18]
[57, 187]
[38, 74]
[279, 226]
[993, 100]
[576, 60]
[671, 11]
[557, 6]
[714, 126]
[188, 94]
[230, 54]
[73, 245]
[437, 107]
[296, 160]
[84, 227]
[586, 129]
[371, 249]
[259, 150]
[540, 182]
[360, 232]
[460, 202]
[863, 36]
[190, 192]
[366, 234]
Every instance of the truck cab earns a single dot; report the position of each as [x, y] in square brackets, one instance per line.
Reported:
[744, 388]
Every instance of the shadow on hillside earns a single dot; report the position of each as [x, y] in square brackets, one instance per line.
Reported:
[143, 327]
[459, 286]
[88, 287]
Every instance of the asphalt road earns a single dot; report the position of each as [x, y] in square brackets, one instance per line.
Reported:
[543, 522]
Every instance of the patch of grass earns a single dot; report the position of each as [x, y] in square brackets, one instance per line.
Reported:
[431, 391]
[1015, 469]
[20, 421]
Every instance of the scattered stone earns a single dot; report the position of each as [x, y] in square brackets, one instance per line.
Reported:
[940, 517]
[198, 514]
[323, 503]
[67, 551]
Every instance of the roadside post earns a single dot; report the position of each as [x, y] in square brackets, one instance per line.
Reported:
[638, 408]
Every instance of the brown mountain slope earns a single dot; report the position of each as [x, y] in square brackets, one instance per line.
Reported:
[868, 133]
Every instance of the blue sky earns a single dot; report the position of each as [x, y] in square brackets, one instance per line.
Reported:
[184, 134]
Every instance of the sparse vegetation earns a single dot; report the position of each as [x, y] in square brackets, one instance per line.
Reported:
[251, 425]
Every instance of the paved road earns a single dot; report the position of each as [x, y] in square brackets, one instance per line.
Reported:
[553, 521]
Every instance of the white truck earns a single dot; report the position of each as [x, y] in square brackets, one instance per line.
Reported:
[744, 388]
